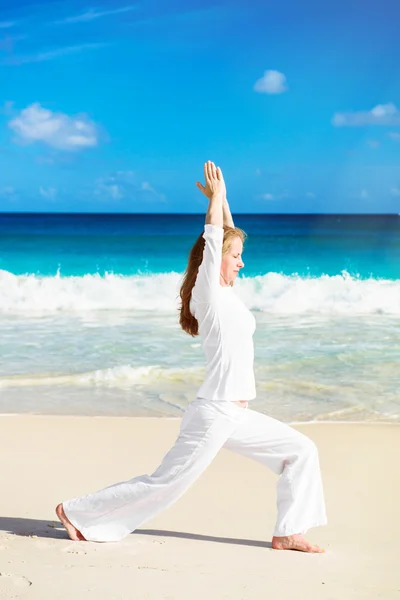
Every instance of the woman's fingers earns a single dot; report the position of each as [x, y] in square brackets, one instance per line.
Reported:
[200, 186]
[206, 177]
[212, 178]
[210, 171]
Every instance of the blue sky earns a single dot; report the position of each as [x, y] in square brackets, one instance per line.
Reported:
[114, 107]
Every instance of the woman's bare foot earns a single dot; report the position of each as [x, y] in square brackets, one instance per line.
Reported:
[242, 403]
[294, 542]
[72, 531]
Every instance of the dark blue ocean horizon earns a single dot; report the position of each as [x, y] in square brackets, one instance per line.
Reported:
[308, 245]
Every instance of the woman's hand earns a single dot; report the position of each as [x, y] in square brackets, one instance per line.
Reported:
[215, 184]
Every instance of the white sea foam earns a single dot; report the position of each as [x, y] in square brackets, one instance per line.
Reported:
[121, 376]
[273, 293]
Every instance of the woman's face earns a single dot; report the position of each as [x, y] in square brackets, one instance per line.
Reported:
[232, 262]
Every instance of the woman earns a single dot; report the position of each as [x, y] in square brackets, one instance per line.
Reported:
[219, 416]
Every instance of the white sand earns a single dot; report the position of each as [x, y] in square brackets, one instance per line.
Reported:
[212, 544]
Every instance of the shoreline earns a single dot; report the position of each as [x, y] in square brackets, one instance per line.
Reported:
[169, 418]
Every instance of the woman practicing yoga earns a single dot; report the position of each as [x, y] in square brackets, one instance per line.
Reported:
[219, 417]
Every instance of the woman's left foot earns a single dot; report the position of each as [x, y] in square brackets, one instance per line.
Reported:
[72, 531]
[294, 542]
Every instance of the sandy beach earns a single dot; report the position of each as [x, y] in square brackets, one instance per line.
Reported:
[215, 541]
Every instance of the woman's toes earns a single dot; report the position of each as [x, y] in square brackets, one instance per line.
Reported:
[72, 531]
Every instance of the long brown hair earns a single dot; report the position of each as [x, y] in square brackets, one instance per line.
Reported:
[186, 320]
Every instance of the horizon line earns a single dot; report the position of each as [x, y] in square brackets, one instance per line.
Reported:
[201, 214]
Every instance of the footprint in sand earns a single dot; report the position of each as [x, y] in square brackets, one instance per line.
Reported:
[73, 551]
[10, 584]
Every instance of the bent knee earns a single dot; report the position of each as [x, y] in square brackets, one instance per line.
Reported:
[306, 447]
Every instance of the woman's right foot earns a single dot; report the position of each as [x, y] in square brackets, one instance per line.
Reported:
[72, 531]
[294, 542]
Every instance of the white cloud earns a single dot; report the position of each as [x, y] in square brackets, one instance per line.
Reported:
[395, 191]
[49, 193]
[373, 143]
[8, 193]
[310, 195]
[7, 108]
[272, 82]
[6, 24]
[360, 195]
[383, 114]
[112, 185]
[8, 42]
[125, 184]
[394, 135]
[92, 14]
[113, 190]
[268, 197]
[7, 190]
[58, 130]
[51, 54]
[275, 197]
[146, 187]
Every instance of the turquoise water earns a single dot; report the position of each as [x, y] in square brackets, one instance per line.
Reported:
[88, 314]
[363, 246]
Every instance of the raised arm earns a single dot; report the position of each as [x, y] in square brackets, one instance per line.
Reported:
[215, 191]
[208, 277]
[228, 219]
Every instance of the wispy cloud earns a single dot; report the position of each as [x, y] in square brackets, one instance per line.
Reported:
[116, 185]
[58, 130]
[8, 193]
[373, 143]
[394, 135]
[108, 187]
[51, 54]
[395, 191]
[126, 184]
[146, 187]
[92, 14]
[48, 193]
[360, 195]
[6, 24]
[7, 190]
[383, 114]
[7, 108]
[7, 44]
[269, 197]
[272, 82]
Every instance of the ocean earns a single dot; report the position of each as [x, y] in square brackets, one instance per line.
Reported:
[89, 314]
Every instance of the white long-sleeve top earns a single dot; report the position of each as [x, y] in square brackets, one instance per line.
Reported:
[226, 328]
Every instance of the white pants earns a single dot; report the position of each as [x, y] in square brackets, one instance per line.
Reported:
[116, 511]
